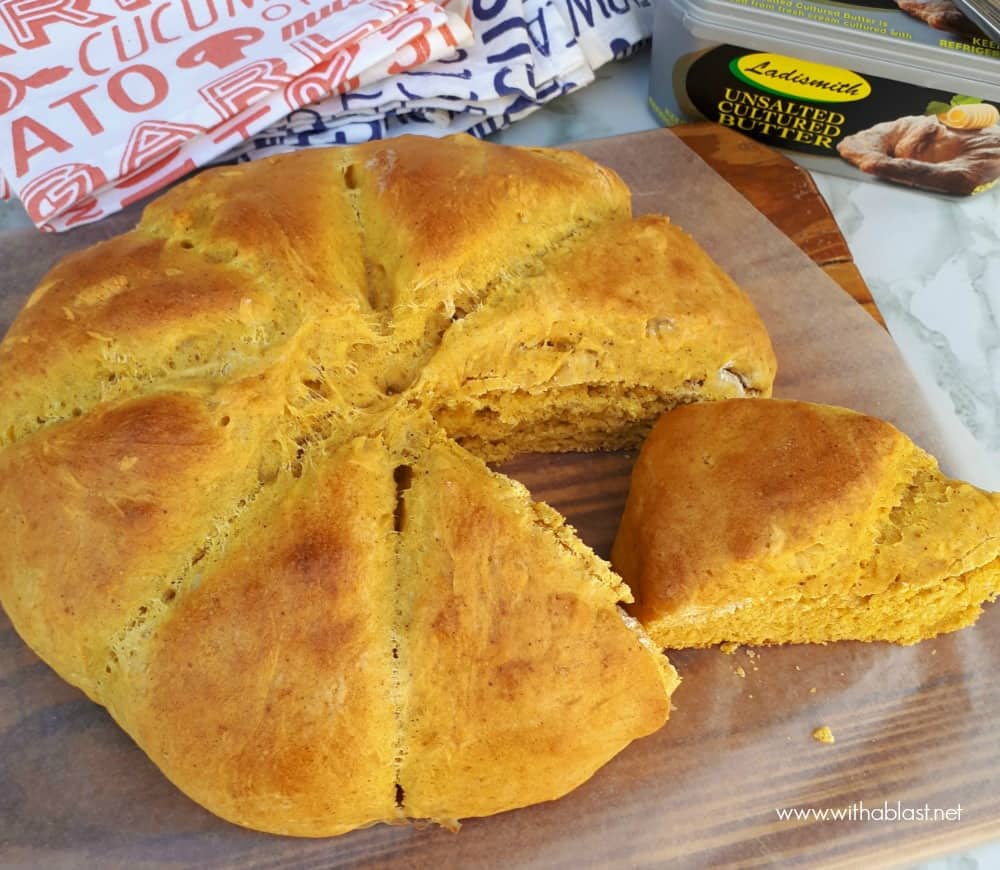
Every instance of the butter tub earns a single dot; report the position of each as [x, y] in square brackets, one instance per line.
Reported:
[906, 94]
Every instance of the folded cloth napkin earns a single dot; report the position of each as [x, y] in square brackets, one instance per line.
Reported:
[104, 101]
[525, 53]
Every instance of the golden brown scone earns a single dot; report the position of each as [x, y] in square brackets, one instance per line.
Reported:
[784, 522]
[428, 262]
[288, 220]
[587, 351]
[205, 427]
[113, 319]
[415, 197]
[500, 602]
[237, 284]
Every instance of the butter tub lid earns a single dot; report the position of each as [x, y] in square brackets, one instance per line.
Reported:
[875, 37]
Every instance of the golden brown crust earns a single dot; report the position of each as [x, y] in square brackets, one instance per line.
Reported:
[201, 423]
[278, 220]
[267, 693]
[101, 516]
[739, 510]
[111, 319]
[634, 311]
[500, 603]
[415, 195]
[427, 263]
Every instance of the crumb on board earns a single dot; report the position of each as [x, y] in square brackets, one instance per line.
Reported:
[798, 668]
[751, 654]
[812, 691]
[823, 734]
[933, 652]
[738, 670]
[729, 647]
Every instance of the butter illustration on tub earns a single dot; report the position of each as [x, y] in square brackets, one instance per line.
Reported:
[977, 116]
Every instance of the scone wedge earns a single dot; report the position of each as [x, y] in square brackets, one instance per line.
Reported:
[266, 691]
[522, 675]
[587, 350]
[770, 521]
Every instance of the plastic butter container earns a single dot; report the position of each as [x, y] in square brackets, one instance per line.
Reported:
[870, 89]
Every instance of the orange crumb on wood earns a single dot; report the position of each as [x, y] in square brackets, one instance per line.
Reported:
[823, 734]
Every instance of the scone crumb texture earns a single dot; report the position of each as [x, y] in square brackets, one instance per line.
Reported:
[823, 734]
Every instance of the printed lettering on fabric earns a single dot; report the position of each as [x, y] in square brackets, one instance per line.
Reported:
[525, 53]
[94, 92]
[150, 89]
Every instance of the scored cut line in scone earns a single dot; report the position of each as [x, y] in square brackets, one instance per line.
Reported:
[268, 694]
[428, 262]
[233, 520]
[104, 516]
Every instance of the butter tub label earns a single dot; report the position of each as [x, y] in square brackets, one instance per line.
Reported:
[794, 103]
[865, 126]
[791, 102]
[799, 79]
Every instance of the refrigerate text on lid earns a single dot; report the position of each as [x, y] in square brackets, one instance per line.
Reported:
[801, 79]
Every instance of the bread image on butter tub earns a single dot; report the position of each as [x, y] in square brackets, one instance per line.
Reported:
[939, 14]
[236, 506]
[957, 153]
[768, 522]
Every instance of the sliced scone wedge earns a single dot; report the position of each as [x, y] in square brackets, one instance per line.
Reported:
[772, 521]
[100, 516]
[523, 676]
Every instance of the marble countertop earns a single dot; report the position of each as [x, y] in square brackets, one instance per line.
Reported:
[933, 266]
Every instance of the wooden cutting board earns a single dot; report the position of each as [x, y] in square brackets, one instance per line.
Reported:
[785, 194]
[914, 725]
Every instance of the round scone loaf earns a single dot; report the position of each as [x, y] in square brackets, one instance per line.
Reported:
[242, 490]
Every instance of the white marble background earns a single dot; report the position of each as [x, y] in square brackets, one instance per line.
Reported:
[933, 266]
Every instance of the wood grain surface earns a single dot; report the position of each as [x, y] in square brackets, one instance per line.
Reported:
[915, 725]
[787, 195]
